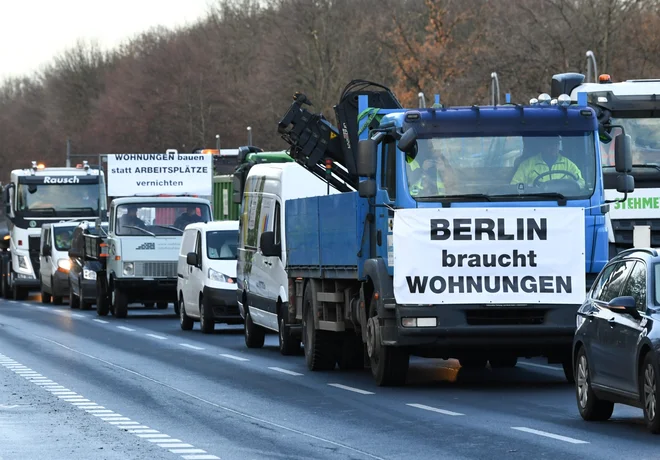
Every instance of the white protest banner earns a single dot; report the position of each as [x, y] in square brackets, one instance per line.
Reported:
[489, 256]
[160, 173]
[643, 203]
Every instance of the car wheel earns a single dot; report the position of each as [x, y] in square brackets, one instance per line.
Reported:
[185, 320]
[590, 406]
[206, 320]
[649, 391]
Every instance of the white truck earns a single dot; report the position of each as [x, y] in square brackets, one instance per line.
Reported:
[157, 195]
[35, 196]
[633, 105]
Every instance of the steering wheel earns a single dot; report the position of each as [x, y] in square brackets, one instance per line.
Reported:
[557, 171]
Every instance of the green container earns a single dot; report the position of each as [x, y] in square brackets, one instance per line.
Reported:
[223, 207]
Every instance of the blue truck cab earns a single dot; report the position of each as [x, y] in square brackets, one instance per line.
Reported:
[456, 241]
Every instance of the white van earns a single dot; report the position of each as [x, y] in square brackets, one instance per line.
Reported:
[263, 290]
[206, 275]
[54, 262]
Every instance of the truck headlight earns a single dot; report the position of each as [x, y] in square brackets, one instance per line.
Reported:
[22, 262]
[64, 264]
[217, 276]
[89, 274]
[128, 268]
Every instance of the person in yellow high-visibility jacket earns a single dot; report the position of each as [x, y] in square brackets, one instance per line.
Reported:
[430, 179]
[547, 159]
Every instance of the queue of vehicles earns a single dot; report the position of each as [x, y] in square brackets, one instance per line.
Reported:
[340, 246]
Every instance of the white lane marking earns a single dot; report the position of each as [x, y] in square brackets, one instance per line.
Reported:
[77, 315]
[236, 358]
[27, 304]
[212, 404]
[188, 451]
[193, 347]
[354, 390]
[108, 416]
[542, 366]
[124, 328]
[200, 457]
[284, 371]
[549, 435]
[434, 409]
[159, 337]
[41, 307]
[102, 321]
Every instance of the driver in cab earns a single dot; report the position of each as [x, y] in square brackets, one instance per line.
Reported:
[541, 167]
[435, 171]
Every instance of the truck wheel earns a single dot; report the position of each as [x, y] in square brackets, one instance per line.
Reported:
[185, 320]
[289, 345]
[350, 352]
[206, 320]
[119, 304]
[389, 365]
[162, 305]
[317, 344]
[254, 335]
[102, 307]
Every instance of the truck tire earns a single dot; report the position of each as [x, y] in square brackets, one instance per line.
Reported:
[389, 365]
[185, 320]
[119, 304]
[162, 305]
[350, 352]
[102, 305]
[318, 344]
[206, 319]
[254, 335]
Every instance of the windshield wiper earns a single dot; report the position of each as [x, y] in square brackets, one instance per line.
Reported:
[41, 209]
[170, 227]
[139, 228]
[476, 196]
[556, 195]
[80, 209]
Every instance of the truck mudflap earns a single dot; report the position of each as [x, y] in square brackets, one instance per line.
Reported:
[443, 330]
[147, 290]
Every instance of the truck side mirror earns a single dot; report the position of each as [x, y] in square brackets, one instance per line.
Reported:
[237, 192]
[367, 188]
[625, 183]
[622, 154]
[408, 141]
[74, 253]
[366, 160]
[191, 259]
[268, 246]
[46, 250]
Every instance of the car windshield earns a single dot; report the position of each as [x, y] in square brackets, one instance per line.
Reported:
[63, 237]
[222, 244]
[645, 140]
[501, 166]
[58, 199]
[159, 219]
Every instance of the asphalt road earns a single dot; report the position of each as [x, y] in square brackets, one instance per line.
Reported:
[77, 386]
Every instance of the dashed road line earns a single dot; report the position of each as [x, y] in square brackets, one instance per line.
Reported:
[354, 390]
[159, 337]
[27, 304]
[102, 321]
[41, 307]
[193, 347]
[284, 371]
[77, 315]
[236, 358]
[542, 366]
[434, 409]
[164, 441]
[124, 328]
[549, 435]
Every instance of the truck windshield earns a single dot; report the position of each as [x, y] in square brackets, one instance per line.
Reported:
[517, 165]
[159, 219]
[58, 199]
[222, 244]
[63, 237]
[645, 140]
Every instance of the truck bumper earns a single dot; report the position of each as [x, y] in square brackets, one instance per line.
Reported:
[539, 330]
[224, 304]
[60, 284]
[148, 290]
[31, 284]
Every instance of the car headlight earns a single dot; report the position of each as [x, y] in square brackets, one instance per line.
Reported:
[217, 276]
[89, 274]
[22, 262]
[64, 264]
[128, 268]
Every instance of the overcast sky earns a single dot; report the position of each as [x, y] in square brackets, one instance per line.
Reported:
[32, 32]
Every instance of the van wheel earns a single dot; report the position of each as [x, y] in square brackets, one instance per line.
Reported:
[102, 307]
[119, 304]
[45, 297]
[289, 345]
[74, 300]
[254, 335]
[185, 320]
[206, 320]
[162, 305]
[317, 344]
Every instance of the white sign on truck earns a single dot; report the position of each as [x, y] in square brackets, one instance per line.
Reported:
[489, 256]
[141, 174]
[643, 203]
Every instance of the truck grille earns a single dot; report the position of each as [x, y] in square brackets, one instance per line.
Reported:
[34, 242]
[156, 269]
[505, 316]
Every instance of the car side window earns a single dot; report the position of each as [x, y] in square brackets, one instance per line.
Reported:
[615, 282]
[600, 281]
[198, 247]
[636, 285]
[277, 224]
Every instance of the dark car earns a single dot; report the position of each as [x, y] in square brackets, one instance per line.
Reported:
[617, 343]
[82, 274]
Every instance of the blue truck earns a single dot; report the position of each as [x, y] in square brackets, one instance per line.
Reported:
[449, 240]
